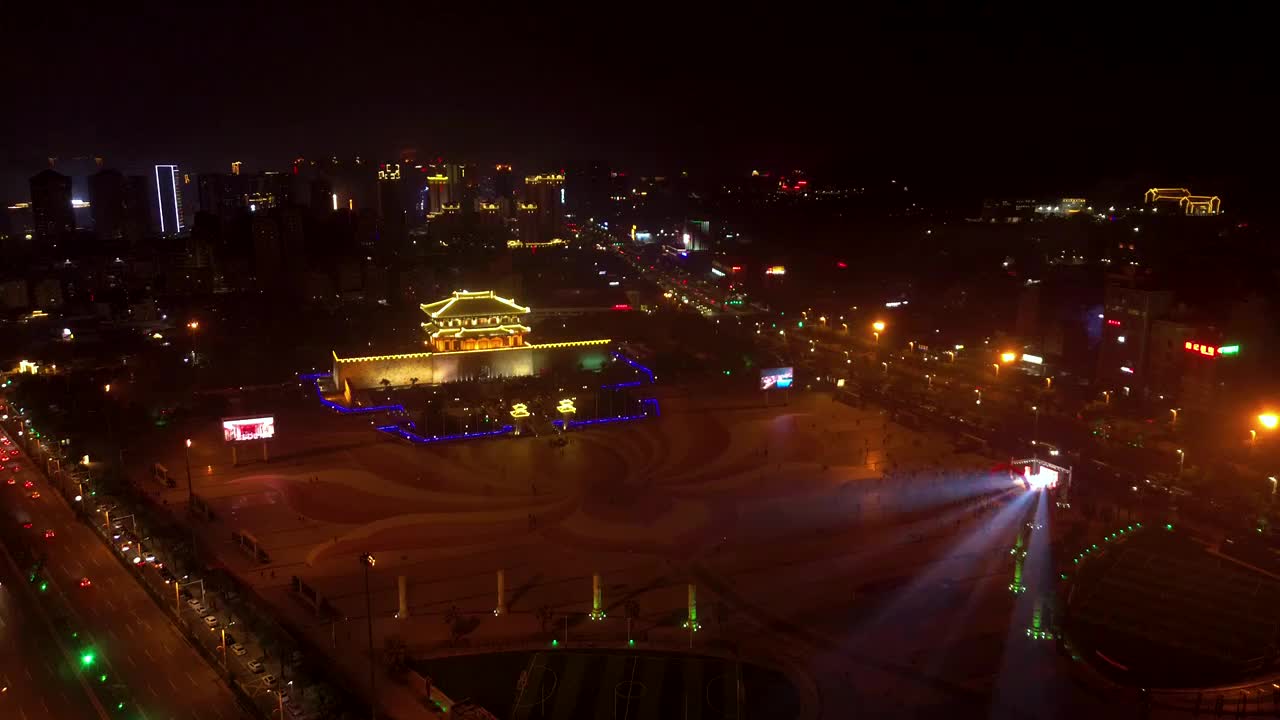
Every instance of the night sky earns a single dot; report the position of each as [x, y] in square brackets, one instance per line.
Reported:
[999, 98]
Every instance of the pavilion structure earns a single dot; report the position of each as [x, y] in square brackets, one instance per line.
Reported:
[474, 321]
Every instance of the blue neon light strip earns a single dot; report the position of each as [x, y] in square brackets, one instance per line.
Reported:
[602, 421]
[616, 386]
[635, 365]
[414, 437]
[654, 403]
[315, 380]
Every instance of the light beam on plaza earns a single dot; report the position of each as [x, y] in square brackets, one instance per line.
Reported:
[1031, 623]
[964, 557]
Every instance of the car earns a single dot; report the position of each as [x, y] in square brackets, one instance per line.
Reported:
[295, 709]
[26, 526]
[238, 650]
[28, 484]
[35, 495]
[48, 534]
[270, 681]
[255, 666]
[85, 582]
[194, 603]
[12, 480]
[211, 620]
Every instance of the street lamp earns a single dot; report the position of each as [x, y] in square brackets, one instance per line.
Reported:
[193, 326]
[1269, 420]
[1181, 457]
[368, 561]
[1035, 428]
[1174, 412]
[186, 454]
[877, 327]
[997, 367]
[1008, 357]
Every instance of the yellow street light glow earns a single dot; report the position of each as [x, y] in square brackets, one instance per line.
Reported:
[878, 326]
[1269, 420]
[1008, 357]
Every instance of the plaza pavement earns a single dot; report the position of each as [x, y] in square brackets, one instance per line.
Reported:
[782, 517]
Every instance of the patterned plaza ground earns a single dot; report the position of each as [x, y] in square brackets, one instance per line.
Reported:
[869, 592]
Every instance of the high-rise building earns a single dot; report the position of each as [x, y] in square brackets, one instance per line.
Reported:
[547, 192]
[107, 203]
[51, 213]
[393, 229]
[1128, 314]
[169, 199]
[504, 184]
[438, 193]
[221, 195]
[137, 211]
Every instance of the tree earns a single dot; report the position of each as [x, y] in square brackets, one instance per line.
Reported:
[413, 381]
[319, 699]
[385, 383]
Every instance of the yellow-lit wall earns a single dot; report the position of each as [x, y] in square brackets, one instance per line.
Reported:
[437, 368]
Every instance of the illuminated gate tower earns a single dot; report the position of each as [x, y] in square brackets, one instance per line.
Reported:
[469, 336]
[474, 321]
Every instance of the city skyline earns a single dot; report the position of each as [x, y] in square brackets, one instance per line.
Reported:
[721, 94]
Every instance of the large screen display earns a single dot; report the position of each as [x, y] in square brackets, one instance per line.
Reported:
[248, 429]
[771, 378]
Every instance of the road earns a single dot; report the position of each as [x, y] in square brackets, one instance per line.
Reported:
[166, 676]
[36, 679]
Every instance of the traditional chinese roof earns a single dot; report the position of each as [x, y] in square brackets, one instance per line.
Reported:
[490, 331]
[472, 304]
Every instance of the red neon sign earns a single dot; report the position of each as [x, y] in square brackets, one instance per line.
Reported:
[1206, 350]
[1113, 322]
[621, 306]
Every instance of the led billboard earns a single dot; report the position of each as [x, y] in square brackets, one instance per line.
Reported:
[771, 378]
[248, 429]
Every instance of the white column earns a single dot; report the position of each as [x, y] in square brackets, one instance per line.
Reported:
[403, 585]
[501, 609]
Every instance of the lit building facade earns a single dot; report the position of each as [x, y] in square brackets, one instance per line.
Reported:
[1189, 204]
[169, 199]
[547, 193]
[469, 336]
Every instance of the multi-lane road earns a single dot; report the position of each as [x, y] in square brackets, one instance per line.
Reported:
[37, 681]
[165, 676]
